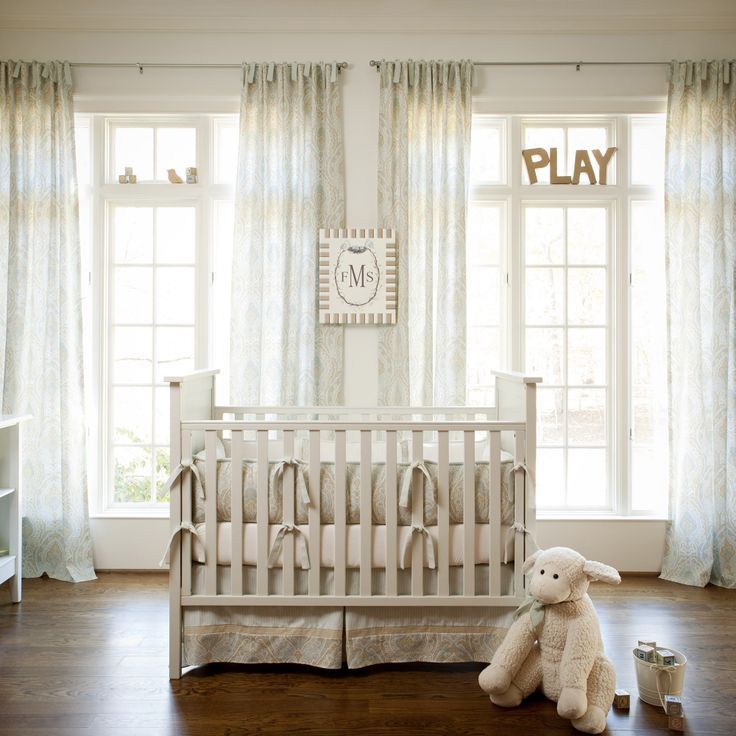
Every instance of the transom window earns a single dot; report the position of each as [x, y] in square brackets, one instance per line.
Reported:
[567, 282]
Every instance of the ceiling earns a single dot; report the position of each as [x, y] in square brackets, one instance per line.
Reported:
[371, 16]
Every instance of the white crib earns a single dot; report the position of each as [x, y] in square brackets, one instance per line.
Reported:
[262, 436]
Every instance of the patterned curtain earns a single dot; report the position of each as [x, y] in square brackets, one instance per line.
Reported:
[423, 170]
[700, 214]
[290, 183]
[41, 360]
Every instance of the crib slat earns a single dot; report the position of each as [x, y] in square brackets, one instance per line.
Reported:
[314, 512]
[340, 454]
[443, 514]
[495, 556]
[262, 513]
[469, 515]
[518, 480]
[236, 513]
[289, 516]
[417, 517]
[366, 513]
[391, 514]
[186, 515]
[210, 512]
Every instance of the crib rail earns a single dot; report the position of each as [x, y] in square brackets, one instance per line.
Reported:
[285, 546]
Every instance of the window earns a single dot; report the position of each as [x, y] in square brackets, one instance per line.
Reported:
[567, 282]
[153, 252]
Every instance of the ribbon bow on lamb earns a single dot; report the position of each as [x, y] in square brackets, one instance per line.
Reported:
[536, 612]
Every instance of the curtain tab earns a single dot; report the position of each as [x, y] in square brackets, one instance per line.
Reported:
[35, 74]
[333, 72]
[308, 69]
[17, 68]
[270, 71]
[703, 69]
[726, 72]
[67, 73]
[294, 71]
[688, 73]
[397, 72]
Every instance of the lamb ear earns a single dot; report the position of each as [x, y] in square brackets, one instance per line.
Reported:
[529, 561]
[599, 571]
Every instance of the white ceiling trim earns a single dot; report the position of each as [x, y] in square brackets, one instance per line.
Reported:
[410, 24]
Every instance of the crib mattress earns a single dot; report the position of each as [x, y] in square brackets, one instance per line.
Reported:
[352, 537]
[352, 492]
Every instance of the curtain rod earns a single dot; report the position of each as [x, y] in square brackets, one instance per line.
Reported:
[576, 64]
[141, 65]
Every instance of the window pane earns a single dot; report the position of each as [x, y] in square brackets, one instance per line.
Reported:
[546, 138]
[544, 354]
[132, 355]
[134, 148]
[586, 296]
[175, 231]
[133, 234]
[586, 235]
[650, 478]
[647, 151]
[161, 473]
[544, 296]
[543, 236]
[176, 148]
[226, 151]
[589, 139]
[161, 416]
[586, 416]
[484, 235]
[131, 411]
[132, 467]
[483, 297]
[550, 477]
[133, 295]
[483, 355]
[586, 356]
[175, 295]
[174, 351]
[586, 472]
[486, 144]
[551, 416]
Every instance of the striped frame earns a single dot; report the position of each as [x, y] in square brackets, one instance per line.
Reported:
[383, 309]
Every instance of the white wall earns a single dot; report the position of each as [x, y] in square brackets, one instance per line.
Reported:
[136, 544]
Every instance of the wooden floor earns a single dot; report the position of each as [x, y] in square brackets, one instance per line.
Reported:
[90, 660]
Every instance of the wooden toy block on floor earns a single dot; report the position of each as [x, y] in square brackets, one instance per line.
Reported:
[673, 705]
[676, 723]
[622, 700]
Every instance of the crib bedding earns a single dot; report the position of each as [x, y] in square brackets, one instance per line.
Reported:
[353, 540]
[352, 491]
[328, 637]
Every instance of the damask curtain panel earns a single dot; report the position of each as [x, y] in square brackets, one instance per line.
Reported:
[290, 183]
[700, 232]
[41, 360]
[423, 171]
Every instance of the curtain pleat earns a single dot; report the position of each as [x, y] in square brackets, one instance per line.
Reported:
[41, 354]
[700, 239]
[290, 183]
[423, 169]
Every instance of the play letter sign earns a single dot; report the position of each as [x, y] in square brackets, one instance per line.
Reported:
[597, 173]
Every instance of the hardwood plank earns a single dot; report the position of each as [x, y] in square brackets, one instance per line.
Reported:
[91, 659]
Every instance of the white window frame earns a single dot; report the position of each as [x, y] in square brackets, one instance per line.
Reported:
[617, 197]
[105, 192]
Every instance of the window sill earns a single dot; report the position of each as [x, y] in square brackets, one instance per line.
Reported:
[143, 514]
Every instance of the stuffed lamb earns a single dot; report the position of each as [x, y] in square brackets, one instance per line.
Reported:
[556, 643]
